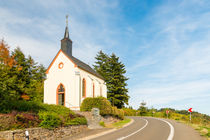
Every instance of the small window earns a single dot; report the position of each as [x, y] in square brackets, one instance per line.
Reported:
[100, 90]
[83, 88]
[93, 90]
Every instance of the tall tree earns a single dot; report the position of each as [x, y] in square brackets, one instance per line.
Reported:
[19, 75]
[101, 64]
[31, 75]
[143, 108]
[113, 72]
[8, 76]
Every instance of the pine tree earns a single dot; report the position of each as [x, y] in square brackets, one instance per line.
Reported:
[101, 64]
[113, 72]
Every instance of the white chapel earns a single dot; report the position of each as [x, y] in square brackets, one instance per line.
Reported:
[69, 81]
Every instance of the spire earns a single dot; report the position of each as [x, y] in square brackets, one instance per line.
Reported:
[66, 43]
[66, 35]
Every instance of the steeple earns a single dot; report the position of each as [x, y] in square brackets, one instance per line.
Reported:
[66, 43]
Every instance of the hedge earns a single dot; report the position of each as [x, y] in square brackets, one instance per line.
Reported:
[103, 104]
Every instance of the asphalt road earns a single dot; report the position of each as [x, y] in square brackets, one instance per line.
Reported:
[148, 128]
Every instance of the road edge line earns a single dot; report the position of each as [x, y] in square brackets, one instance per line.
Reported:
[135, 131]
[171, 135]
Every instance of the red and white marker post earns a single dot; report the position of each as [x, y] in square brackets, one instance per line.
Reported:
[167, 112]
[190, 110]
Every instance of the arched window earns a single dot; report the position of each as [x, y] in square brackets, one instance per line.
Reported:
[93, 90]
[61, 95]
[83, 88]
[100, 90]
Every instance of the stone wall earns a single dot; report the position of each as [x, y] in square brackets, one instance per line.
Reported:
[42, 134]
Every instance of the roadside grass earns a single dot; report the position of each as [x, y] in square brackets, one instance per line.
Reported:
[119, 124]
[203, 130]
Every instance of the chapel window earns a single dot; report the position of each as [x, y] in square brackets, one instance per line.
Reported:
[83, 88]
[93, 90]
[61, 95]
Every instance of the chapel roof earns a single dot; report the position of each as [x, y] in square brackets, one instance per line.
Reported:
[84, 66]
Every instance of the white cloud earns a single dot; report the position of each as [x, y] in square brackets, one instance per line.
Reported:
[42, 41]
[182, 68]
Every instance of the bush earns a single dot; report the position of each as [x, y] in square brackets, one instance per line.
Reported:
[21, 105]
[129, 112]
[44, 115]
[77, 121]
[101, 123]
[100, 102]
[104, 105]
[119, 113]
[49, 120]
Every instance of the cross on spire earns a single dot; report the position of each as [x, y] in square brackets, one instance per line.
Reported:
[67, 20]
[66, 35]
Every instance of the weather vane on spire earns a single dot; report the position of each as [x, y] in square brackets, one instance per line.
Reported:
[67, 20]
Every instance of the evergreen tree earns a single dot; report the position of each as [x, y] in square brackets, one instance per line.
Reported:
[19, 75]
[31, 76]
[113, 72]
[101, 64]
[143, 108]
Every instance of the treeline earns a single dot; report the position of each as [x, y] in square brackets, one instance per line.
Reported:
[20, 77]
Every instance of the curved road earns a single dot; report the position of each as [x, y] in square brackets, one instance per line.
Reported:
[148, 128]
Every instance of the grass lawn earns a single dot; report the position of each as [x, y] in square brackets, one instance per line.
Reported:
[120, 124]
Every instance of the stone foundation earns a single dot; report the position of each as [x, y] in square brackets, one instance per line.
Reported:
[42, 134]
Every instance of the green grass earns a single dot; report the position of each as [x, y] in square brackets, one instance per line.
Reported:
[101, 123]
[120, 124]
[203, 130]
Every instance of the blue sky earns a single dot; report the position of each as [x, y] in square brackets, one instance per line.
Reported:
[165, 45]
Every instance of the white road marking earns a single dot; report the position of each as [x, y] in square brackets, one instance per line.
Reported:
[171, 135]
[122, 138]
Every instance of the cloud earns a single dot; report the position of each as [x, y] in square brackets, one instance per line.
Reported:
[40, 35]
[181, 69]
[166, 50]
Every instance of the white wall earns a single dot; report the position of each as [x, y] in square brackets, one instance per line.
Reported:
[55, 76]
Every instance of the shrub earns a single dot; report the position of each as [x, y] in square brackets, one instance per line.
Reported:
[100, 102]
[104, 105]
[119, 113]
[26, 120]
[129, 112]
[22, 105]
[44, 115]
[101, 123]
[77, 121]
[49, 120]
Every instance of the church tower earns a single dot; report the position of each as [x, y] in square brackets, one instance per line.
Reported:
[66, 43]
